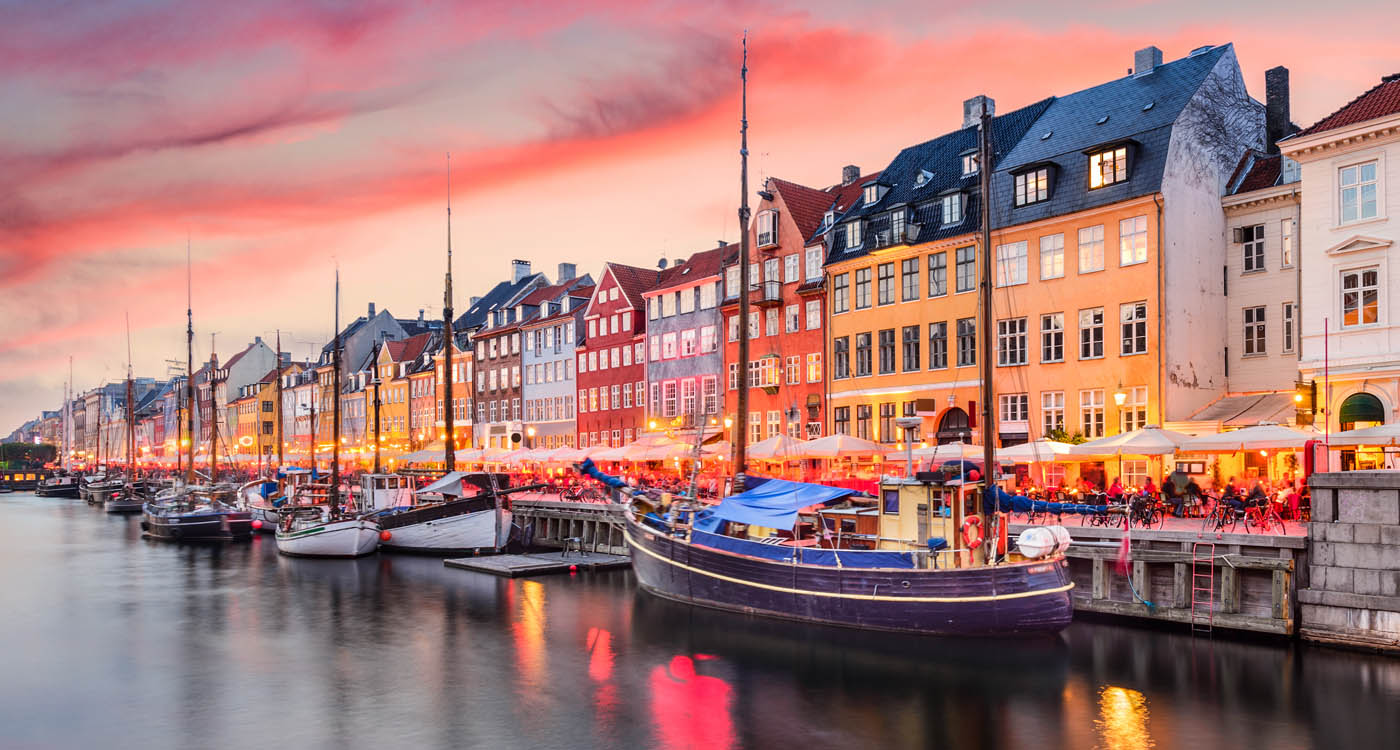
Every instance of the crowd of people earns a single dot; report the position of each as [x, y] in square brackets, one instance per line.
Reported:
[1184, 496]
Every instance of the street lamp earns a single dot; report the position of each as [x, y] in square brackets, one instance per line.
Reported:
[1119, 396]
[530, 431]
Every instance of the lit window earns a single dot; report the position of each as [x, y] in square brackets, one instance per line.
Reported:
[1091, 249]
[969, 164]
[1033, 186]
[1052, 256]
[1011, 264]
[1360, 297]
[1132, 241]
[1108, 167]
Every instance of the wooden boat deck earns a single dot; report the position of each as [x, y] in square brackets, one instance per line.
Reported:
[539, 563]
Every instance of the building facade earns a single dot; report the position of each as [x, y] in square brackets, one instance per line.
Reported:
[612, 369]
[685, 363]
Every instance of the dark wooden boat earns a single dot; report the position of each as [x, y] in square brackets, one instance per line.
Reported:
[63, 485]
[196, 516]
[131, 498]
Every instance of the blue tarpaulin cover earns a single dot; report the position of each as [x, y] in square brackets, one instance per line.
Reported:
[1008, 503]
[774, 503]
[805, 555]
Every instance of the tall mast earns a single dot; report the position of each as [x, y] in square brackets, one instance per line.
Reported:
[101, 391]
[450, 441]
[375, 375]
[189, 360]
[335, 396]
[741, 420]
[130, 408]
[984, 170]
[213, 410]
[279, 398]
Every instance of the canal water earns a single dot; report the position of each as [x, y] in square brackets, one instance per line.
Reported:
[108, 640]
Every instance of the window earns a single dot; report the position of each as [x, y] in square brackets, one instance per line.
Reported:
[1052, 411]
[862, 288]
[792, 319]
[887, 351]
[687, 396]
[793, 369]
[813, 262]
[668, 398]
[872, 193]
[886, 289]
[1091, 413]
[1134, 319]
[937, 345]
[754, 331]
[733, 376]
[668, 304]
[1011, 342]
[790, 268]
[1052, 337]
[937, 274]
[767, 228]
[967, 268]
[1052, 256]
[1132, 241]
[1033, 186]
[952, 208]
[841, 417]
[1253, 239]
[853, 234]
[814, 367]
[911, 348]
[969, 164]
[863, 421]
[1360, 297]
[1133, 414]
[1134, 472]
[1091, 249]
[1254, 334]
[1290, 313]
[770, 270]
[1091, 333]
[909, 279]
[731, 281]
[1357, 184]
[755, 426]
[840, 293]
[814, 314]
[687, 344]
[967, 342]
[898, 219]
[626, 396]
[709, 394]
[1011, 264]
[1286, 243]
[707, 302]
[770, 321]
[668, 346]
[1108, 167]
[887, 433]
[1015, 407]
[862, 354]
[707, 342]
[840, 358]
[687, 304]
[604, 403]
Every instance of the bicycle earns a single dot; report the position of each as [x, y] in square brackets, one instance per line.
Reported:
[1145, 512]
[1221, 518]
[1262, 518]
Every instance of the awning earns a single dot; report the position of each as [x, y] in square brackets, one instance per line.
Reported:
[1249, 409]
[1148, 441]
[1261, 437]
[449, 484]
[773, 504]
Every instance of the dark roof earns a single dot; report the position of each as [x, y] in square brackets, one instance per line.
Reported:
[415, 326]
[698, 266]
[1137, 110]
[500, 295]
[271, 376]
[1382, 100]
[234, 359]
[940, 163]
[1255, 171]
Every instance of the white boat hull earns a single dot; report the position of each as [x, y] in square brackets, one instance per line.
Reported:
[351, 537]
[467, 531]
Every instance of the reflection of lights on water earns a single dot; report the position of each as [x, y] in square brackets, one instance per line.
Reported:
[600, 654]
[1122, 721]
[528, 630]
[690, 709]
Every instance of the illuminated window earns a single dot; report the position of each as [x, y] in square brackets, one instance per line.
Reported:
[1360, 297]
[1108, 167]
[1033, 186]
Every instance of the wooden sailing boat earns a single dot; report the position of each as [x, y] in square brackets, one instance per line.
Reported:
[133, 493]
[777, 548]
[190, 513]
[257, 494]
[65, 483]
[313, 522]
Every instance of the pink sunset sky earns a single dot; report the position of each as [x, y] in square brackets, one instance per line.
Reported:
[284, 137]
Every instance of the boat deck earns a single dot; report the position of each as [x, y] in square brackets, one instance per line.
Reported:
[539, 563]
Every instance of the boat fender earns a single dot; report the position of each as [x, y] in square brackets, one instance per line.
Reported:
[1062, 538]
[972, 540]
[1036, 542]
[385, 536]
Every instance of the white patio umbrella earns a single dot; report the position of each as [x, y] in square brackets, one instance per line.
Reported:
[603, 453]
[1037, 451]
[1148, 441]
[947, 452]
[780, 447]
[468, 454]
[1257, 438]
[1383, 435]
[841, 446]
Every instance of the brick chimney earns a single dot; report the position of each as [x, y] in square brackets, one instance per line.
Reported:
[1146, 60]
[849, 173]
[1276, 107]
[974, 107]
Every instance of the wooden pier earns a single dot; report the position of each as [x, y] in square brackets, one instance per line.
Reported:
[1254, 577]
[564, 524]
[539, 563]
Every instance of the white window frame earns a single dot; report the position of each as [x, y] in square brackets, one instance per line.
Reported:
[1052, 256]
[1091, 249]
[1012, 264]
[1357, 185]
[1360, 290]
[1132, 241]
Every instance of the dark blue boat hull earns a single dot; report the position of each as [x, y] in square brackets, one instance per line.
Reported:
[981, 601]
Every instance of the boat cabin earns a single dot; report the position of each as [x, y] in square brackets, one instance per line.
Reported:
[380, 491]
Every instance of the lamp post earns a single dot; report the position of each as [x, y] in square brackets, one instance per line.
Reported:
[530, 433]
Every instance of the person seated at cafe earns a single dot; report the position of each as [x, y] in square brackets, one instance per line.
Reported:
[1231, 496]
[1172, 495]
[1148, 488]
[1257, 496]
[1115, 491]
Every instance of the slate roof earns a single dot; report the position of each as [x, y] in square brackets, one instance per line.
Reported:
[1142, 109]
[501, 295]
[941, 158]
[1382, 100]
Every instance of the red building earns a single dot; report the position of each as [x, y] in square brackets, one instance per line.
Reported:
[611, 368]
[787, 331]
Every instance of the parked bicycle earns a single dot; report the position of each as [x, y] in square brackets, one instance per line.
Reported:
[1262, 519]
[1222, 517]
[1146, 512]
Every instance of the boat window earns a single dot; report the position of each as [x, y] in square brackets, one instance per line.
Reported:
[890, 501]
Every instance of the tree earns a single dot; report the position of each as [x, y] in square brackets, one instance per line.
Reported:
[26, 455]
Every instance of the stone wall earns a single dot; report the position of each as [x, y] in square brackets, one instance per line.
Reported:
[1353, 592]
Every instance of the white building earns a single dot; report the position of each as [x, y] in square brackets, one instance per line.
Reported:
[1350, 165]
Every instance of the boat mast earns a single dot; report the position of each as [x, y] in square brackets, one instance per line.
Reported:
[279, 398]
[130, 409]
[450, 441]
[335, 396]
[741, 420]
[374, 372]
[189, 360]
[984, 169]
[213, 411]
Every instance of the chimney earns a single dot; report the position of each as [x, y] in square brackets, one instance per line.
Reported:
[257, 340]
[519, 270]
[371, 309]
[849, 173]
[722, 244]
[420, 314]
[1276, 107]
[974, 107]
[1146, 60]
[567, 272]
[661, 264]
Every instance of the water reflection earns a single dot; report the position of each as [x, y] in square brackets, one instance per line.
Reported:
[234, 646]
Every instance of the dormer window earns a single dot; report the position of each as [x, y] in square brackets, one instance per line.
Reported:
[951, 206]
[923, 178]
[1108, 167]
[767, 228]
[873, 193]
[853, 234]
[969, 163]
[1033, 186]
[829, 218]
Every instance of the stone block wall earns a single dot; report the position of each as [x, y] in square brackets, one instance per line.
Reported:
[1353, 592]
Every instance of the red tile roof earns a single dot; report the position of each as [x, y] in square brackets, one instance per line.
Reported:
[270, 377]
[698, 266]
[1255, 171]
[807, 206]
[407, 350]
[1381, 101]
[843, 196]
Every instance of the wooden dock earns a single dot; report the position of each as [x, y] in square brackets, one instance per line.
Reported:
[539, 563]
[593, 527]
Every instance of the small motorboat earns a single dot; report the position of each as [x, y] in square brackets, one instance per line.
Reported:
[197, 514]
[313, 524]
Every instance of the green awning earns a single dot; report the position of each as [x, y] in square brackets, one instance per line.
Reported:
[1361, 407]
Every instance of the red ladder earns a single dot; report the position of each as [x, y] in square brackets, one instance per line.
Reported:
[1202, 587]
